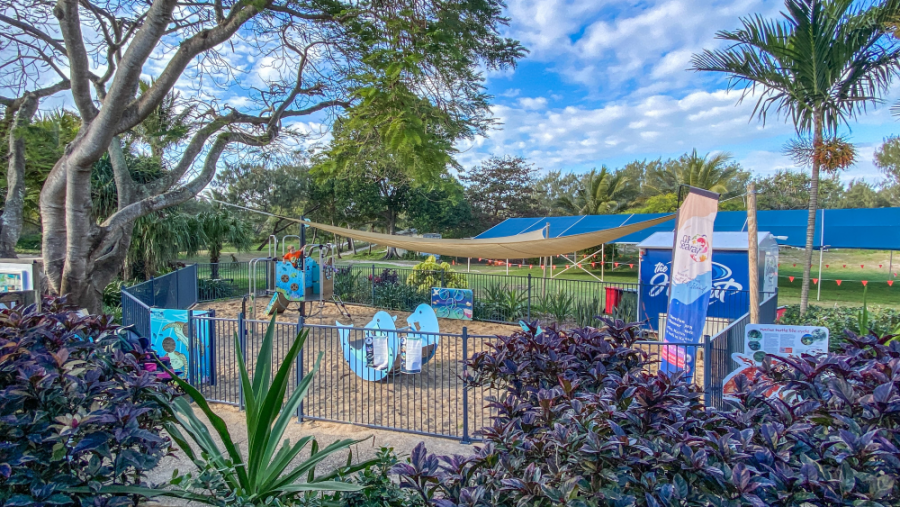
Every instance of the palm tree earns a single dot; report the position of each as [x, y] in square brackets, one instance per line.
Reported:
[219, 226]
[159, 238]
[821, 65]
[711, 172]
[595, 193]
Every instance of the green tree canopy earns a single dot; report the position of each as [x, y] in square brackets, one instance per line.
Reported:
[595, 193]
[501, 188]
[820, 65]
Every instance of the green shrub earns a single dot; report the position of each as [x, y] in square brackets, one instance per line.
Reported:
[270, 469]
[585, 312]
[841, 318]
[209, 290]
[30, 242]
[558, 305]
[500, 302]
[429, 273]
[380, 490]
[112, 294]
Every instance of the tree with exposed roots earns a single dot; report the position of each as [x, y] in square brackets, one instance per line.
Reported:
[822, 64]
[250, 71]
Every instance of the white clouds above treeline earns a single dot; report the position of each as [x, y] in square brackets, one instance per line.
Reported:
[634, 98]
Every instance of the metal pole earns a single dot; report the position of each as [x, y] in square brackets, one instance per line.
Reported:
[753, 253]
[707, 362]
[821, 249]
[529, 297]
[300, 321]
[242, 330]
[468, 265]
[465, 393]
[507, 267]
[373, 285]
[192, 353]
[819, 285]
[602, 260]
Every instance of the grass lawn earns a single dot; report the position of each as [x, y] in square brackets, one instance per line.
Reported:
[849, 266]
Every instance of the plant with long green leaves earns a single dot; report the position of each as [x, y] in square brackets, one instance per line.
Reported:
[826, 61]
[264, 475]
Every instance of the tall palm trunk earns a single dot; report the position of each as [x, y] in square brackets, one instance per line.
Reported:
[813, 208]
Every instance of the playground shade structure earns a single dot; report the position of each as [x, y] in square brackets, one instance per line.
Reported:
[871, 228]
[529, 244]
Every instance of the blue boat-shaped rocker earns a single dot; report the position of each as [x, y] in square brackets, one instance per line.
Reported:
[423, 319]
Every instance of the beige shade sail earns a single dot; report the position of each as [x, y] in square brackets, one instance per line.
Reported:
[521, 246]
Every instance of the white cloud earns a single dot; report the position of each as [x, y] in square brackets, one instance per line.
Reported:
[533, 103]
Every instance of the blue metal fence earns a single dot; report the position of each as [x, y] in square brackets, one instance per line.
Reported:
[175, 290]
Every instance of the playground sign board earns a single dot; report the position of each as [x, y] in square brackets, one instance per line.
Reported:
[779, 340]
[452, 303]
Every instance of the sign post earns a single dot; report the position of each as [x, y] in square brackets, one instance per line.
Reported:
[691, 278]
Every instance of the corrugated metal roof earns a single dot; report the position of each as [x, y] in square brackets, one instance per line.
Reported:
[875, 228]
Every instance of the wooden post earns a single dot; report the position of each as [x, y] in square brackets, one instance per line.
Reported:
[753, 253]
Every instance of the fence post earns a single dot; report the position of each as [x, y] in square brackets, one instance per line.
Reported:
[443, 279]
[707, 371]
[372, 280]
[529, 298]
[300, 322]
[465, 393]
[152, 292]
[242, 330]
[178, 288]
[192, 352]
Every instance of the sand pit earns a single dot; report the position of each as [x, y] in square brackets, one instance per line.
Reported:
[432, 401]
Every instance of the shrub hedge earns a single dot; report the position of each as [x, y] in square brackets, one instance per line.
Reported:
[582, 423]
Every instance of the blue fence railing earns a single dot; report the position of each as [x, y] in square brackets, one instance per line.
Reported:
[176, 290]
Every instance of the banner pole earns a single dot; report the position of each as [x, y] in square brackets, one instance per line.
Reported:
[753, 253]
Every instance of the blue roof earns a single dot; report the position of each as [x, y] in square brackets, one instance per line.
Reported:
[869, 228]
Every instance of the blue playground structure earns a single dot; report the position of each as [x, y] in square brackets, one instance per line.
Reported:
[387, 350]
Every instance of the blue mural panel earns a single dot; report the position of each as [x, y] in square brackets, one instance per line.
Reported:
[169, 337]
[289, 280]
[452, 303]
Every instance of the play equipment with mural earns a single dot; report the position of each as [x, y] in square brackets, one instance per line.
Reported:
[299, 275]
[170, 337]
[386, 350]
[452, 303]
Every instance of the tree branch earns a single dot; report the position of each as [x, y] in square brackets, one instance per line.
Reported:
[190, 48]
[66, 11]
[127, 215]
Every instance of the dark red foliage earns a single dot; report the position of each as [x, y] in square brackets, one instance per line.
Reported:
[77, 408]
[584, 423]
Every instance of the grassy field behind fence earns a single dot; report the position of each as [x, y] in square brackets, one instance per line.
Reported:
[851, 267]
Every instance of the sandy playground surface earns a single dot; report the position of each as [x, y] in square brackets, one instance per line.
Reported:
[432, 401]
[360, 316]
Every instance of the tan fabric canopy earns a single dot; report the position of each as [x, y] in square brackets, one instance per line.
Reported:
[521, 246]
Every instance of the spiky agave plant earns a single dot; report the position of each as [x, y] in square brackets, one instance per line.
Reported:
[264, 473]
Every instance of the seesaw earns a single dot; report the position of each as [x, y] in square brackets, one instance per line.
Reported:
[388, 350]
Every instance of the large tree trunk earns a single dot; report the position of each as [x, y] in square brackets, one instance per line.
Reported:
[391, 252]
[811, 219]
[11, 221]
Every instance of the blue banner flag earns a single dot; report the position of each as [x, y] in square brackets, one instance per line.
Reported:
[691, 279]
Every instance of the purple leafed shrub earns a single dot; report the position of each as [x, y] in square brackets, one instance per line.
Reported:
[583, 423]
[77, 408]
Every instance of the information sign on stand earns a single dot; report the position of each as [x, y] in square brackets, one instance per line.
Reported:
[776, 340]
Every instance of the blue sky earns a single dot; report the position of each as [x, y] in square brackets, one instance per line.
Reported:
[606, 83]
